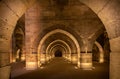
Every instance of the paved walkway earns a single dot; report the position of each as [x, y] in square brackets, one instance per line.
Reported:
[58, 68]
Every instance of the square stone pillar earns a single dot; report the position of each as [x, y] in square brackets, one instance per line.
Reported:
[115, 65]
[31, 61]
[74, 58]
[5, 72]
[86, 61]
[47, 57]
[68, 56]
[4, 62]
[42, 58]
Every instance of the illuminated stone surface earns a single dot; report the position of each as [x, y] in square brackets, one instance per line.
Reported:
[71, 16]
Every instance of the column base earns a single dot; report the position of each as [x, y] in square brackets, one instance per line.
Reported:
[115, 65]
[74, 59]
[86, 61]
[23, 58]
[31, 65]
[5, 72]
[86, 66]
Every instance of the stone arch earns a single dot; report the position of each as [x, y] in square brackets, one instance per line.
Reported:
[65, 50]
[68, 47]
[63, 32]
[13, 43]
[101, 58]
[18, 52]
[107, 10]
[57, 45]
[58, 41]
[10, 12]
[23, 46]
[19, 31]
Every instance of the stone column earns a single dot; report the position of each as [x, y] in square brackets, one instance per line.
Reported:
[32, 28]
[74, 58]
[23, 53]
[42, 58]
[13, 54]
[86, 55]
[7, 26]
[67, 56]
[114, 65]
[31, 61]
[10, 12]
[70, 57]
[5, 72]
[86, 61]
[47, 57]
[115, 58]
[31, 55]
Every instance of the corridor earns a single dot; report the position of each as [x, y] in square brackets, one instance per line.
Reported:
[84, 33]
[60, 68]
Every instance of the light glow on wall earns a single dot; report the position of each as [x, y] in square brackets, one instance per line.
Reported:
[86, 66]
[47, 58]
[31, 65]
[23, 57]
[78, 64]
[42, 58]
[63, 32]
[101, 58]
[17, 56]
[74, 59]
[69, 57]
[86, 61]
[13, 60]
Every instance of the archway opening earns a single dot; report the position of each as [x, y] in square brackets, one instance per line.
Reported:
[58, 53]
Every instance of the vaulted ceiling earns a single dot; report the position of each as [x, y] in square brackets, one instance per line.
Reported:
[69, 15]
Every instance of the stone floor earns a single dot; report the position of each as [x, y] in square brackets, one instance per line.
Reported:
[59, 68]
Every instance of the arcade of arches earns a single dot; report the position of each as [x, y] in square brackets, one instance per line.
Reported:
[81, 32]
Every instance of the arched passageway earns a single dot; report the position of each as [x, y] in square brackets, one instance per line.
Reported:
[106, 10]
[58, 53]
[63, 32]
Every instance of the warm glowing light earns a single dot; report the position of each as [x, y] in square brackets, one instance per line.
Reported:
[13, 60]
[78, 64]
[31, 65]
[41, 67]
[63, 32]
[87, 66]
[23, 57]
[39, 64]
[47, 58]
[69, 57]
[76, 67]
[74, 59]
[42, 58]
[101, 60]
[86, 61]
[17, 56]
